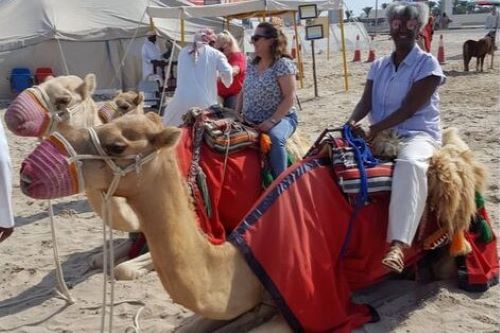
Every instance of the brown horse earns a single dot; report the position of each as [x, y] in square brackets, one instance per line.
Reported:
[478, 49]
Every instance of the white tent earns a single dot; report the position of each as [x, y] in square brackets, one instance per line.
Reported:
[82, 36]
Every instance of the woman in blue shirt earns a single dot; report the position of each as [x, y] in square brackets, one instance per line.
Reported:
[267, 97]
[401, 94]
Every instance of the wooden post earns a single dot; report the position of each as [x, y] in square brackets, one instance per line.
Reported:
[342, 36]
[314, 69]
[299, 52]
[182, 33]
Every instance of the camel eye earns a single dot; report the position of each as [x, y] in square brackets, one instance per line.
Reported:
[115, 148]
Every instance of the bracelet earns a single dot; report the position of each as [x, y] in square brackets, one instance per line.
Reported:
[273, 121]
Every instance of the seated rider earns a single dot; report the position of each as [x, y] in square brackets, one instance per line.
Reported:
[401, 93]
[267, 97]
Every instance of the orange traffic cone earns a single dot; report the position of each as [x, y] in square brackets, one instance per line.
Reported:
[441, 57]
[293, 52]
[357, 51]
[371, 52]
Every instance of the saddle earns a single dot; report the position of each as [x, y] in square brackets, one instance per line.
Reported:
[353, 176]
[223, 129]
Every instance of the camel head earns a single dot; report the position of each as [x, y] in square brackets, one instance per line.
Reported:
[89, 158]
[38, 110]
[123, 103]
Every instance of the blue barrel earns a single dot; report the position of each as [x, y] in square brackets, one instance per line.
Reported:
[20, 79]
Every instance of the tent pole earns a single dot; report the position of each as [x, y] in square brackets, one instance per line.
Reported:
[182, 32]
[299, 47]
[328, 40]
[341, 20]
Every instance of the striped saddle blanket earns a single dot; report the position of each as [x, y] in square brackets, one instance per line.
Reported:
[379, 177]
[223, 130]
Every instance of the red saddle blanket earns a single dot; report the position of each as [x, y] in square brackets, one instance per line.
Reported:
[293, 237]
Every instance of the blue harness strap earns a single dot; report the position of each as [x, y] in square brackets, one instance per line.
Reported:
[364, 159]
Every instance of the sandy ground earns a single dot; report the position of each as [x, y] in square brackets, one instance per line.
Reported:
[27, 277]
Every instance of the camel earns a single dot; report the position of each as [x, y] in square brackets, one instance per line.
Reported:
[213, 281]
[40, 110]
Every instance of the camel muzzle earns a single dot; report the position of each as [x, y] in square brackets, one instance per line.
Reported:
[49, 171]
[25, 116]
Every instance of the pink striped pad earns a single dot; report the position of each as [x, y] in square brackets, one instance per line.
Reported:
[107, 112]
[26, 116]
[50, 173]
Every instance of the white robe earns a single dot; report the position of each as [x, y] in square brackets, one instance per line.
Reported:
[150, 51]
[197, 82]
[6, 214]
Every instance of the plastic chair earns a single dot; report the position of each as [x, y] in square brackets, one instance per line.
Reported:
[20, 78]
[151, 90]
[41, 74]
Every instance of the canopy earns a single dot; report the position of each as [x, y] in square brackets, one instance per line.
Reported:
[240, 9]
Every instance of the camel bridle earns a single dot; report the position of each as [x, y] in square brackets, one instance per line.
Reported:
[55, 116]
[118, 171]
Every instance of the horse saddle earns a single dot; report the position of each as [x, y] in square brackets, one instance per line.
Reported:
[223, 129]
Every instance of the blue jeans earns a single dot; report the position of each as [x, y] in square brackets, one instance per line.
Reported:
[279, 134]
[230, 101]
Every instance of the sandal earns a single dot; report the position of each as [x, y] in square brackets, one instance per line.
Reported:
[394, 259]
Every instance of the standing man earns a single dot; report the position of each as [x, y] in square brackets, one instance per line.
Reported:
[6, 214]
[151, 56]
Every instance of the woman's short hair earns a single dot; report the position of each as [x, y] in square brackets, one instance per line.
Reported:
[279, 48]
[227, 38]
[410, 10]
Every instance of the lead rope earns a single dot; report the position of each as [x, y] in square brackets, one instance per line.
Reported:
[61, 288]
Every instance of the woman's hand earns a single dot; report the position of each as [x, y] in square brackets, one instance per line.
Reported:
[365, 132]
[266, 125]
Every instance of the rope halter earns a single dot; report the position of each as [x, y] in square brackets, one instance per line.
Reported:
[54, 168]
[33, 114]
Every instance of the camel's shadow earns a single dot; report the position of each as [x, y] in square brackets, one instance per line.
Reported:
[68, 208]
[454, 73]
[76, 269]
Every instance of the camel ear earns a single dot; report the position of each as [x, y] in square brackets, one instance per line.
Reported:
[166, 138]
[47, 78]
[139, 99]
[117, 92]
[87, 88]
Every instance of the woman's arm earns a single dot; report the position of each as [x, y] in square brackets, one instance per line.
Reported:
[419, 94]
[288, 89]
[364, 105]
[239, 102]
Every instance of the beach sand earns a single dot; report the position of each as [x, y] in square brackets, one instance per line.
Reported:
[469, 101]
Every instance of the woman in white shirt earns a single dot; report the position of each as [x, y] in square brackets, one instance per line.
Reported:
[6, 215]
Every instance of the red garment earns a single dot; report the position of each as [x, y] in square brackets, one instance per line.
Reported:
[235, 59]
[427, 33]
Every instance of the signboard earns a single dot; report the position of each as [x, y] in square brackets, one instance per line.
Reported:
[308, 11]
[314, 32]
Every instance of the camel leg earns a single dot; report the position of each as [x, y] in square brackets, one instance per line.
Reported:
[275, 325]
[120, 251]
[134, 268]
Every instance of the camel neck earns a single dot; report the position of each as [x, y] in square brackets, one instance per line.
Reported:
[195, 273]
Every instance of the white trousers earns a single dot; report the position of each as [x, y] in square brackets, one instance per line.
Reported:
[6, 214]
[409, 186]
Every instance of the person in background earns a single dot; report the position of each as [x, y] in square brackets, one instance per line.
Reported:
[228, 45]
[444, 21]
[151, 56]
[6, 213]
[198, 67]
[425, 37]
[267, 97]
[492, 20]
[401, 94]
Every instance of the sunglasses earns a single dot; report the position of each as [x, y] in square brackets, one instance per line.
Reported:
[255, 38]
[410, 24]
